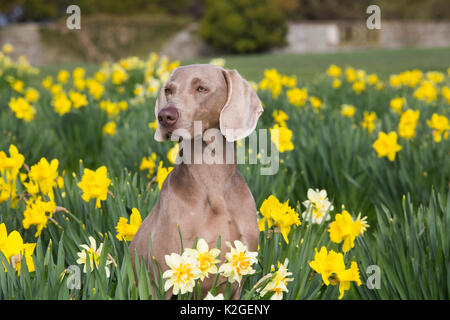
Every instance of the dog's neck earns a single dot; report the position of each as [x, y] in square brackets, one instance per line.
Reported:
[208, 159]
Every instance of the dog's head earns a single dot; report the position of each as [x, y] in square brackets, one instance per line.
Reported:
[216, 97]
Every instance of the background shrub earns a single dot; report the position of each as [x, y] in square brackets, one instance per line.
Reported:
[243, 26]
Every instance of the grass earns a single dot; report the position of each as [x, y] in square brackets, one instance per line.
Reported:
[381, 61]
[406, 200]
[306, 66]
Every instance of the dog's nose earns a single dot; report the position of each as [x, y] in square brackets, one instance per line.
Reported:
[168, 116]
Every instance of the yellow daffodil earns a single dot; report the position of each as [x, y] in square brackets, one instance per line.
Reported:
[47, 82]
[37, 213]
[22, 109]
[297, 97]
[348, 110]
[109, 128]
[280, 117]
[173, 153]
[45, 176]
[95, 88]
[63, 76]
[162, 174]
[369, 121]
[372, 79]
[9, 171]
[13, 163]
[62, 104]
[336, 83]
[153, 125]
[332, 269]
[334, 71]
[7, 191]
[111, 108]
[100, 76]
[408, 122]
[360, 75]
[148, 164]
[435, 76]
[94, 185]
[426, 92]
[281, 138]
[326, 264]
[396, 104]
[386, 145]
[127, 231]
[289, 81]
[119, 76]
[32, 95]
[344, 229]
[56, 89]
[350, 74]
[316, 103]
[359, 86]
[268, 206]
[79, 83]
[78, 73]
[409, 78]
[446, 94]
[122, 105]
[380, 85]
[272, 82]
[440, 125]
[346, 277]
[278, 214]
[394, 81]
[78, 99]
[13, 248]
[18, 85]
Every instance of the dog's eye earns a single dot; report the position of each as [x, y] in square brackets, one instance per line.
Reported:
[202, 89]
[167, 91]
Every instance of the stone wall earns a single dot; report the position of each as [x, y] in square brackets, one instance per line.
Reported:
[305, 37]
[337, 36]
[26, 41]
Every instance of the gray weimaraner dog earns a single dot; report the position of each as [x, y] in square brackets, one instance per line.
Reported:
[203, 200]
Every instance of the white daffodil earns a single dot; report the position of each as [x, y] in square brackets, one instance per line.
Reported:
[94, 256]
[206, 259]
[278, 284]
[239, 262]
[218, 62]
[209, 296]
[317, 206]
[182, 273]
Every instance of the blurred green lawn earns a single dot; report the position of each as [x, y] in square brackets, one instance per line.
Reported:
[381, 61]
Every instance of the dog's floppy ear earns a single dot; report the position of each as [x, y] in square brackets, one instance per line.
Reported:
[242, 108]
[160, 103]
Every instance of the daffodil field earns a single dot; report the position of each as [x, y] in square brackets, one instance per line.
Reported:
[359, 209]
